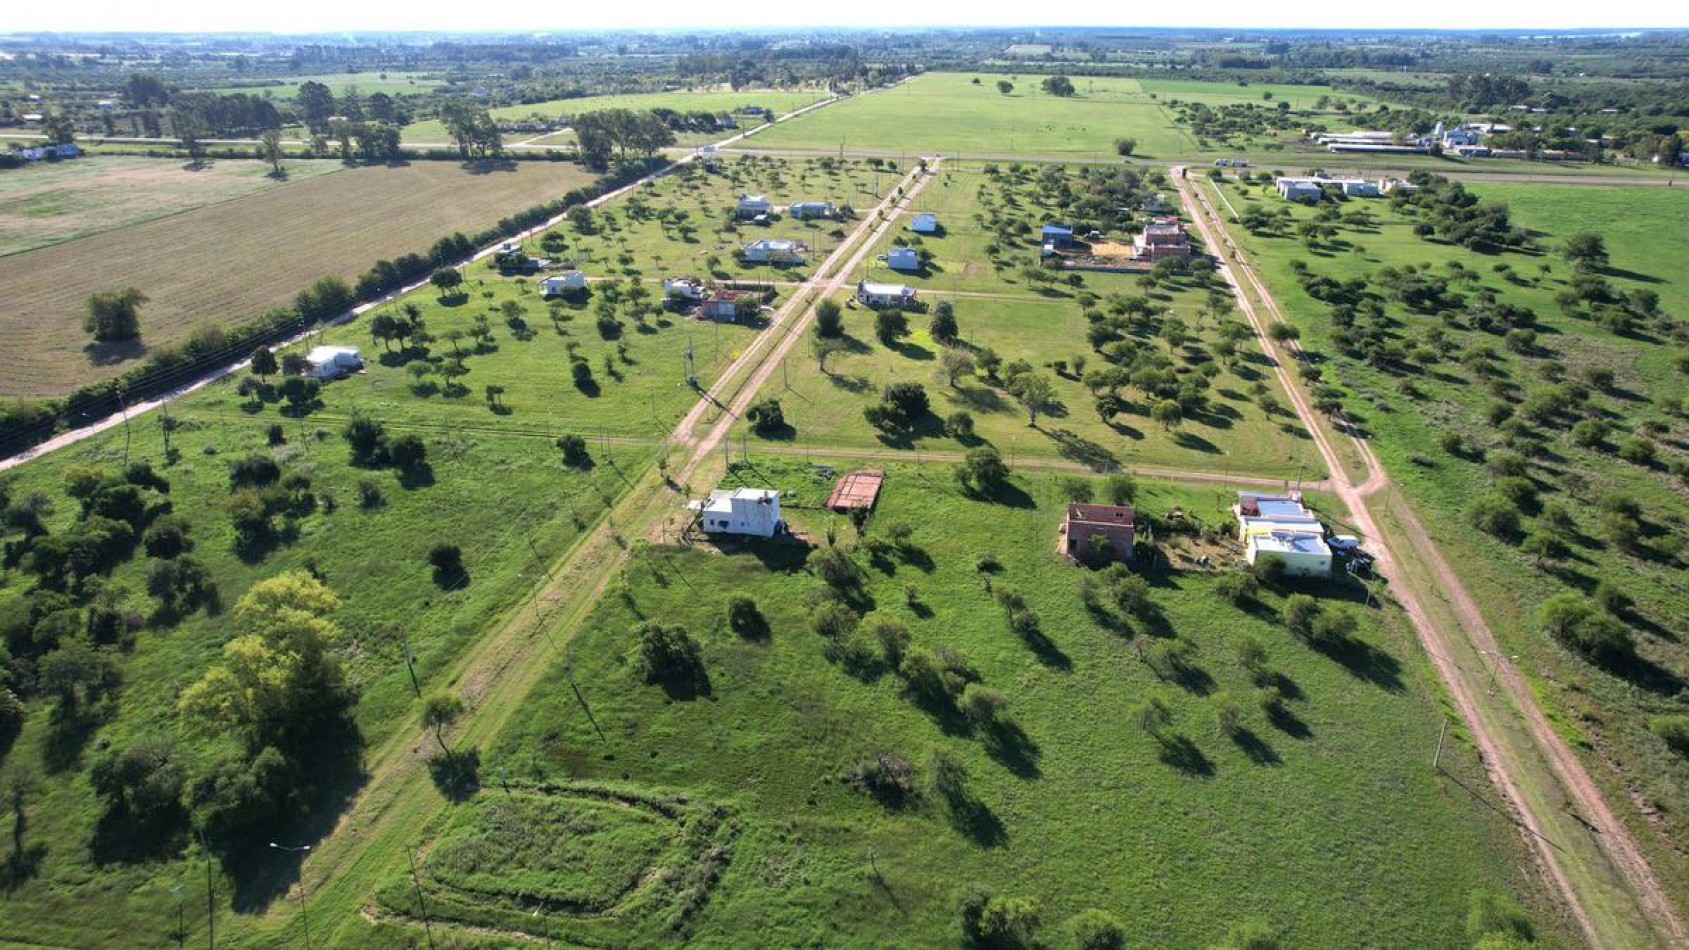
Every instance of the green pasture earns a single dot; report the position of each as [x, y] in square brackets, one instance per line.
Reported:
[781, 101]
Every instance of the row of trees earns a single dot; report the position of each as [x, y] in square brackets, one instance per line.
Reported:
[615, 132]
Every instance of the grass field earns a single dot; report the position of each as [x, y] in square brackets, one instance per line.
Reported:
[998, 308]
[50, 202]
[1072, 806]
[684, 224]
[367, 83]
[1604, 713]
[231, 261]
[959, 118]
[495, 483]
[781, 101]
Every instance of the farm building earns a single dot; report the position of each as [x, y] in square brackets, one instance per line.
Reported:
[774, 251]
[748, 511]
[924, 224]
[857, 490]
[1280, 525]
[813, 210]
[1299, 189]
[333, 362]
[43, 153]
[903, 258]
[752, 205]
[683, 288]
[559, 284]
[1162, 238]
[1098, 532]
[885, 295]
[1057, 237]
[730, 304]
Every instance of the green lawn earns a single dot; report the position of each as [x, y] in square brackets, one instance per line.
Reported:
[1074, 807]
[781, 101]
[366, 83]
[958, 118]
[1597, 709]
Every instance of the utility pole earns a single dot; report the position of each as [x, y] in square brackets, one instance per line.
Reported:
[164, 427]
[410, 661]
[421, 904]
[123, 407]
[304, 911]
[1438, 758]
[210, 895]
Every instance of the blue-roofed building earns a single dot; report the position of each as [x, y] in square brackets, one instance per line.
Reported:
[1060, 237]
[903, 258]
[1282, 526]
[924, 224]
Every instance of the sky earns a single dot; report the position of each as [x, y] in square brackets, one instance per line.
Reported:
[329, 16]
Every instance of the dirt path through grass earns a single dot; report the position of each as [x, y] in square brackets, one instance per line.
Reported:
[1608, 886]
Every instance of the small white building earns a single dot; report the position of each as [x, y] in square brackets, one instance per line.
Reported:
[903, 258]
[924, 224]
[885, 295]
[1304, 555]
[774, 251]
[1357, 188]
[752, 205]
[567, 282]
[1280, 525]
[1299, 189]
[813, 210]
[333, 362]
[683, 288]
[748, 511]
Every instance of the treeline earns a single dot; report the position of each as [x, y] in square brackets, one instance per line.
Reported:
[619, 131]
[24, 423]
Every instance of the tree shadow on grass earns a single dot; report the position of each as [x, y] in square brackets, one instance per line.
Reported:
[1365, 661]
[1256, 748]
[1007, 494]
[1009, 744]
[1181, 753]
[121, 837]
[1072, 445]
[975, 820]
[1286, 721]
[457, 774]
[114, 352]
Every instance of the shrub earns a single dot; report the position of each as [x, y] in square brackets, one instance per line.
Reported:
[889, 777]
[837, 570]
[833, 620]
[766, 417]
[1495, 515]
[1299, 613]
[1096, 930]
[1332, 627]
[1269, 569]
[1577, 626]
[982, 470]
[1638, 451]
[408, 452]
[1672, 730]
[575, 454]
[1120, 489]
[369, 494]
[368, 440]
[1008, 922]
[667, 654]
[744, 617]
[447, 562]
[254, 471]
[1237, 587]
[982, 705]
[959, 426]
[1491, 915]
[166, 538]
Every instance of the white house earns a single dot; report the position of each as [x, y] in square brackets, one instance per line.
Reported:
[924, 224]
[748, 511]
[683, 288]
[752, 205]
[885, 295]
[1280, 525]
[1304, 555]
[1299, 189]
[903, 258]
[333, 362]
[1357, 188]
[559, 284]
[806, 210]
[774, 251]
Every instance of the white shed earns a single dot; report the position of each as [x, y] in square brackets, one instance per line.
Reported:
[1304, 555]
[747, 511]
[559, 284]
[332, 362]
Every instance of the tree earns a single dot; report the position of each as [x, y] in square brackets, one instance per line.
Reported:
[955, 364]
[891, 326]
[1097, 930]
[1035, 392]
[1120, 488]
[983, 470]
[114, 315]
[766, 417]
[141, 784]
[447, 562]
[264, 362]
[279, 682]
[1168, 414]
[408, 453]
[329, 297]
[908, 400]
[1125, 147]
[575, 454]
[942, 327]
[1005, 87]
[270, 147]
[959, 425]
[368, 440]
[1058, 86]
[1299, 613]
[440, 710]
[1586, 251]
[829, 319]
[1494, 514]
[744, 617]
[445, 280]
[667, 654]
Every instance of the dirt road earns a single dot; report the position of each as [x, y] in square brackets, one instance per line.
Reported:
[1407, 555]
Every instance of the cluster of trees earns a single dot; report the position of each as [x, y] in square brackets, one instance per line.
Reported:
[1481, 92]
[114, 315]
[615, 132]
[472, 129]
[1453, 214]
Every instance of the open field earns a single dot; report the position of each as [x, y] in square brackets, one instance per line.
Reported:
[959, 118]
[1201, 832]
[781, 101]
[50, 202]
[231, 261]
[367, 83]
[495, 483]
[1416, 410]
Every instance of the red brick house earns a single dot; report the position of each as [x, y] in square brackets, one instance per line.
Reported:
[1084, 522]
[1162, 238]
